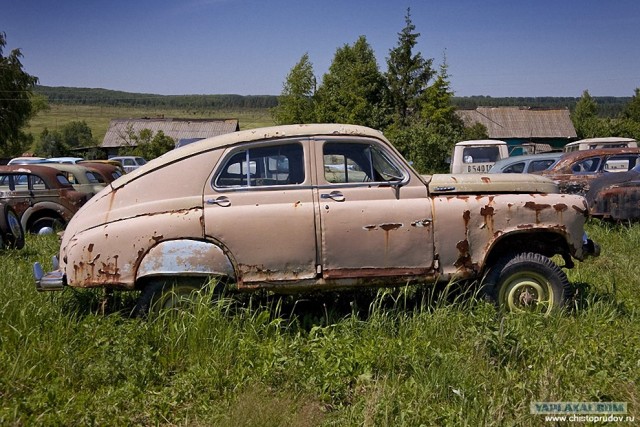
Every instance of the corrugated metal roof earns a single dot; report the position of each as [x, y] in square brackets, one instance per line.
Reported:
[119, 129]
[521, 122]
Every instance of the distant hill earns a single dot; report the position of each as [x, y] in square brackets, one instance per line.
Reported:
[608, 106]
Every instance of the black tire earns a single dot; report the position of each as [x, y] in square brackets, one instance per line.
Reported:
[528, 282]
[167, 294]
[44, 223]
[11, 228]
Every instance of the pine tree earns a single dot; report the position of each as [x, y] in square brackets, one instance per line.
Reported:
[408, 75]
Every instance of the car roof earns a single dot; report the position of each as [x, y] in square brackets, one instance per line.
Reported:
[251, 135]
[45, 172]
[481, 142]
[502, 163]
[570, 158]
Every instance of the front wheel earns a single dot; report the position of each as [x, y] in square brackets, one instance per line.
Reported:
[528, 282]
[167, 294]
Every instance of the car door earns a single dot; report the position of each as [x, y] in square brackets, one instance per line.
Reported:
[375, 214]
[259, 206]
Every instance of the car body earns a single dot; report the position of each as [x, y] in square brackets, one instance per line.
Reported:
[83, 178]
[477, 156]
[528, 163]
[616, 196]
[606, 142]
[114, 168]
[268, 209]
[68, 160]
[575, 170]
[25, 160]
[129, 163]
[41, 196]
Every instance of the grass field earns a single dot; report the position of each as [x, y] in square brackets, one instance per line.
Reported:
[98, 117]
[387, 358]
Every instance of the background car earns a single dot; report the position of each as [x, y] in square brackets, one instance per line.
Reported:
[129, 163]
[526, 164]
[41, 196]
[574, 171]
[84, 179]
[11, 231]
[616, 196]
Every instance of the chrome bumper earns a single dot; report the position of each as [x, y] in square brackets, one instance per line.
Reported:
[52, 281]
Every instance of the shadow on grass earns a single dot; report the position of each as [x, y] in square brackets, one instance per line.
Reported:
[305, 309]
[586, 296]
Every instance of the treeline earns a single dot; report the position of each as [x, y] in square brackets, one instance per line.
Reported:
[608, 106]
[105, 97]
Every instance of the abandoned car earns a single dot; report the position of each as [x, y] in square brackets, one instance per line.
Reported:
[575, 170]
[528, 163]
[41, 196]
[318, 207]
[616, 196]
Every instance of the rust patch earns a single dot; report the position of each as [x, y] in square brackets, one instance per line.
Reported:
[464, 257]
[389, 227]
[560, 207]
[486, 179]
[369, 227]
[537, 207]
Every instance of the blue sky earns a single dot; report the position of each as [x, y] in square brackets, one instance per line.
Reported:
[247, 47]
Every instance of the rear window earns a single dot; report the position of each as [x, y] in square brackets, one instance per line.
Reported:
[480, 154]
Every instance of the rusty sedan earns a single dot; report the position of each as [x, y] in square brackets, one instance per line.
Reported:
[42, 196]
[575, 170]
[616, 197]
[318, 207]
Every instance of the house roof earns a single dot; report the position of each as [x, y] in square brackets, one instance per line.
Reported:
[175, 128]
[521, 122]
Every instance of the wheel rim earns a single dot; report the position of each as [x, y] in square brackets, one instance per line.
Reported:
[527, 291]
[14, 225]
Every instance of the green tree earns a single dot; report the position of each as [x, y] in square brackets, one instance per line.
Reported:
[16, 106]
[632, 109]
[585, 117]
[146, 144]
[75, 134]
[436, 107]
[296, 103]
[353, 91]
[408, 75]
[51, 144]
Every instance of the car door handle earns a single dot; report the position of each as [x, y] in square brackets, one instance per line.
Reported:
[334, 195]
[220, 201]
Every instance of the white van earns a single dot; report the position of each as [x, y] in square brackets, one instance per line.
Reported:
[593, 143]
[477, 156]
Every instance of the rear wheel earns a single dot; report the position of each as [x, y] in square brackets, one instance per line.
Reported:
[528, 282]
[11, 228]
[46, 225]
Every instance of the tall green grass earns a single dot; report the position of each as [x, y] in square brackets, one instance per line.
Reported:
[408, 356]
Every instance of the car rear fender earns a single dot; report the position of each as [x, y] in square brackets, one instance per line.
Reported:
[185, 257]
[41, 207]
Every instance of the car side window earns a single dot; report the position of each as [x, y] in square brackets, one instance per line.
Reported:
[263, 166]
[514, 168]
[357, 162]
[539, 165]
[38, 183]
[589, 165]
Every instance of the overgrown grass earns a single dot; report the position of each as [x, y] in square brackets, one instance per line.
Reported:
[98, 117]
[389, 357]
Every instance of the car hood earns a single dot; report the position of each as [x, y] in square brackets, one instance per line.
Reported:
[493, 183]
